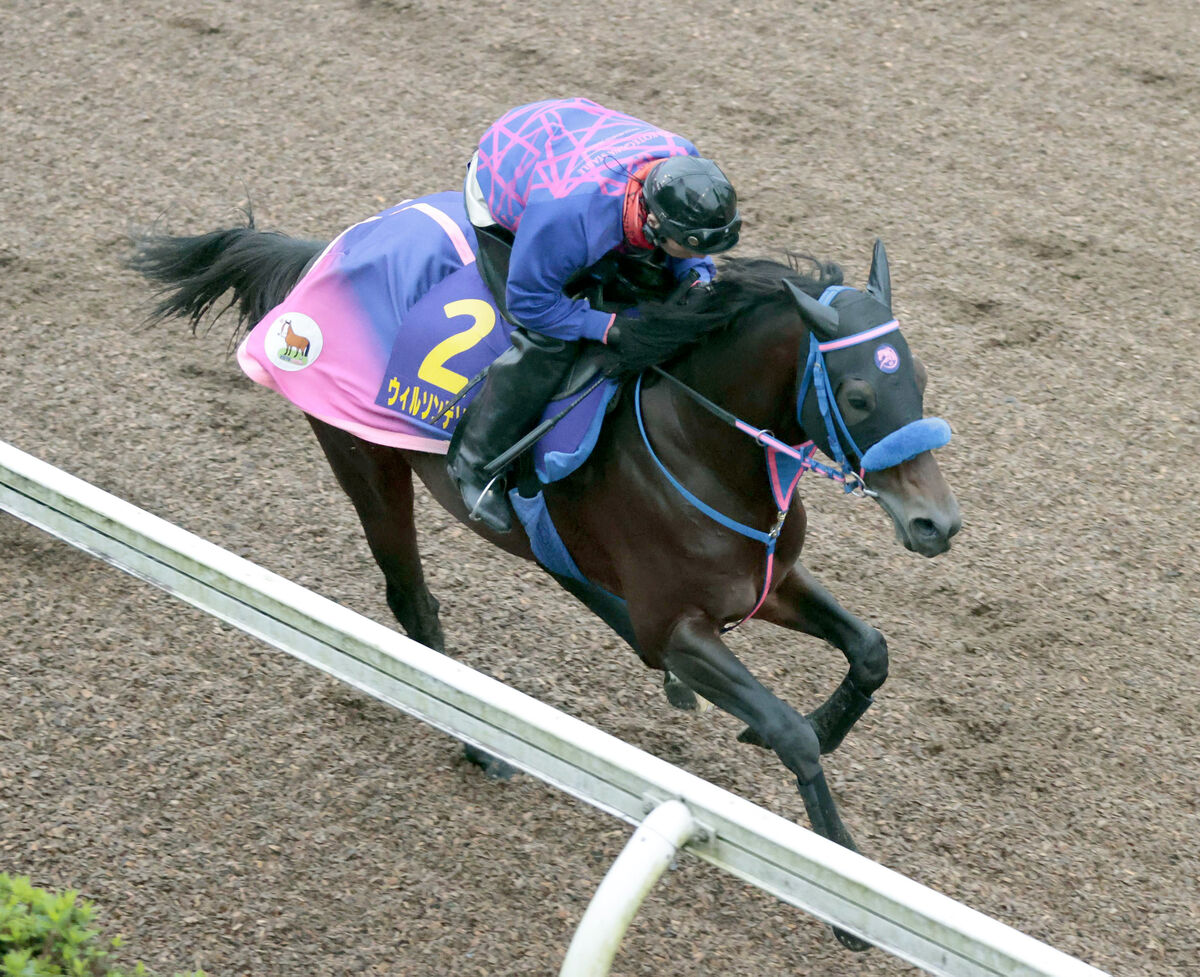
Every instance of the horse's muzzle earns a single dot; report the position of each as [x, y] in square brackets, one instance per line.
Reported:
[930, 536]
[923, 510]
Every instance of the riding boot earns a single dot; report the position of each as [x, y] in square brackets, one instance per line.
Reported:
[519, 384]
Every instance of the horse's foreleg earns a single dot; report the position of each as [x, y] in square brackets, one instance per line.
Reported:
[379, 482]
[802, 604]
[695, 652]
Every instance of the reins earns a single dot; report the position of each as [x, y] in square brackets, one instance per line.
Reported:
[803, 453]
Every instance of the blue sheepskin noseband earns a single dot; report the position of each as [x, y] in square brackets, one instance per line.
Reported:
[906, 443]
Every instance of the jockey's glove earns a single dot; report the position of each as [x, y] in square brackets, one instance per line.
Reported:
[695, 296]
[659, 331]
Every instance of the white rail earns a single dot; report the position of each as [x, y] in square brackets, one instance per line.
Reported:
[903, 917]
[641, 863]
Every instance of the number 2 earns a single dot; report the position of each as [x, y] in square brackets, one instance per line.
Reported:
[433, 368]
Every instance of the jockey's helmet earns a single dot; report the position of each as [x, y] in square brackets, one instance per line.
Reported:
[695, 204]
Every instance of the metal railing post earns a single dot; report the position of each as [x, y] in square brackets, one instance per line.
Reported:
[623, 889]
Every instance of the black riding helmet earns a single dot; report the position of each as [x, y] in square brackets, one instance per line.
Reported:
[695, 204]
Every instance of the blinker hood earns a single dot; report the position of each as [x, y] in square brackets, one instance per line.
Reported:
[853, 336]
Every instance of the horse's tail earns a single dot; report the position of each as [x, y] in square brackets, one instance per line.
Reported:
[260, 267]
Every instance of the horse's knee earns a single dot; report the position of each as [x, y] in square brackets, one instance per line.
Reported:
[869, 661]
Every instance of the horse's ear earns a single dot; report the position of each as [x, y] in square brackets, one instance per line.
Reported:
[821, 319]
[879, 282]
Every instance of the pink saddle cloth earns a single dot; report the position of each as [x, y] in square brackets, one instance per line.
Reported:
[374, 339]
[386, 329]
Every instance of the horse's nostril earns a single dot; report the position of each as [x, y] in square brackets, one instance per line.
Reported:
[924, 528]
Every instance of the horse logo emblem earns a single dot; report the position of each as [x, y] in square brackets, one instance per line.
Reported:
[887, 359]
[293, 342]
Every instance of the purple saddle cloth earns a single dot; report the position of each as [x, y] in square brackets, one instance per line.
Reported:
[451, 335]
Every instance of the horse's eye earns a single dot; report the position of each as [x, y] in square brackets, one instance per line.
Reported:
[857, 400]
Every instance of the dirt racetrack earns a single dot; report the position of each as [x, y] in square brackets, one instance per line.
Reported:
[1032, 168]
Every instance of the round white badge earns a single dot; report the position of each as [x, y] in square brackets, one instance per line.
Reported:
[293, 341]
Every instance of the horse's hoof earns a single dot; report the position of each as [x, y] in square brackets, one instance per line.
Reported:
[492, 766]
[679, 695]
[850, 941]
[434, 640]
[748, 735]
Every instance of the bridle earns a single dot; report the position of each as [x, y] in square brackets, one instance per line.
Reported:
[816, 377]
[787, 463]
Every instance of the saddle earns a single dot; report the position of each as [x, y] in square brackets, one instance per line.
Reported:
[614, 283]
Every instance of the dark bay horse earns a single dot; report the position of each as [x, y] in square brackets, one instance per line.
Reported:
[666, 572]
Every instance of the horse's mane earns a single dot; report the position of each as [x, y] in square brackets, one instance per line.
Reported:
[745, 282]
[665, 329]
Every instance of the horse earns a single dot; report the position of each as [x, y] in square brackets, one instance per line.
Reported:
[295, 343]
[683, 520]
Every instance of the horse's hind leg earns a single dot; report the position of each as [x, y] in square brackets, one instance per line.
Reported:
[379, 483]
[802, 604]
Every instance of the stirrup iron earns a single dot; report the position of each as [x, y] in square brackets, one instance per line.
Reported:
[473, 514]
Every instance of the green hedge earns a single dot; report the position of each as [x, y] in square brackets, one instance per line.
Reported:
[43, 934]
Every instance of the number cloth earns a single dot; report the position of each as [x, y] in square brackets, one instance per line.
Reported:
[388, 326]
[357, 298]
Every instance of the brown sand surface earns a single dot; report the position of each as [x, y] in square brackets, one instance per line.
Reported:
[1032, 168]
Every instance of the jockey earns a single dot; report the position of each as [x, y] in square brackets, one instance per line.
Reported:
[554, 187]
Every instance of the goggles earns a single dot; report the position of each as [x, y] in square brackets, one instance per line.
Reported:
[703, 240]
